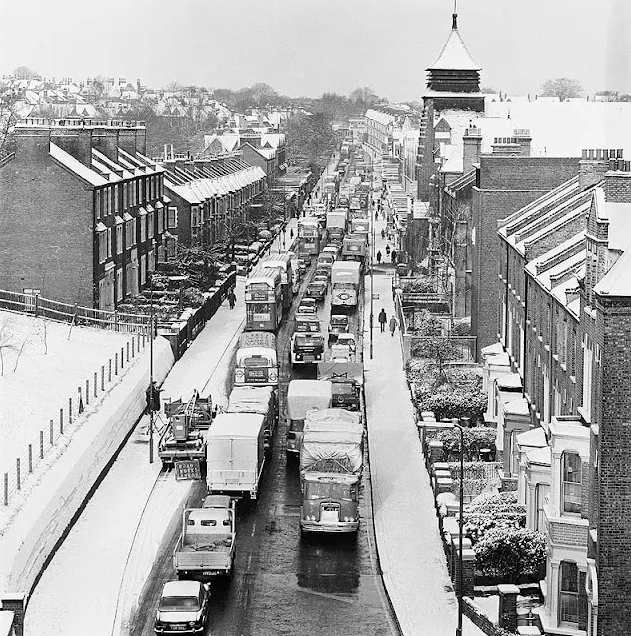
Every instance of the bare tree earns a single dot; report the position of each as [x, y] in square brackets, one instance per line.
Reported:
[9, 105]
[7, 343]
[562, 87]
[24, 72]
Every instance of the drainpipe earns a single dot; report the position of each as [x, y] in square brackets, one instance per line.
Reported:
[551, 389]
[525, 332]
[505, 325]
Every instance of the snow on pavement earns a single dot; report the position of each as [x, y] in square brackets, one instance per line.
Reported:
[96, 567]
[408, 542]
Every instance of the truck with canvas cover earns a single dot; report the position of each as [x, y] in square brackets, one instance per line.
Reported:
[354, 248]
[256, 359]
[256, 399]
[360, 226]
[236, 454]
[331, 464]
[304, 396]
[184, 436]
[206, 547]
[336, 222]
[345, 281]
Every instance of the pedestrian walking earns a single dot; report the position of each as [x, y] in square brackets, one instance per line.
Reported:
[388, 250]
[377, 215]
[291, 233]
[379, 257]
[383, 234]
[232, 298]
[393, 325]
[393, 256]
[383, 319]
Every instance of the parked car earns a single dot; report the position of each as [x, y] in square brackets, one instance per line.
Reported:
[323, 272]
[316, 290]
[307, 306]
[337, 324]
[183, 608]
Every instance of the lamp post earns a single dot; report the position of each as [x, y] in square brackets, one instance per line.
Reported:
[372, 252]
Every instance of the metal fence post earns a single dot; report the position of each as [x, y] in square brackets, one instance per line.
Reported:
[109, 371]
[69, 410]
[116, 363]
[41, 444]
[87, 391]
[122, 357]
[52, 435]
[61, 420]
[80, 405]
[133, 348]
[127, 347]
[30, 458]
[95, 383]
[6, 489]
[103, 378]
[17, 471]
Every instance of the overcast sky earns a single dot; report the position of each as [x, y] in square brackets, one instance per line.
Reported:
[306, 48]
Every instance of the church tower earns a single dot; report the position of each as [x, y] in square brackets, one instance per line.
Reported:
[453, 80]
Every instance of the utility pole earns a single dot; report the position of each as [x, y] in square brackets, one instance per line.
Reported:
[372, 259]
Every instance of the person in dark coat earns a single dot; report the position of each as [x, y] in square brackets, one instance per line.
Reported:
[379, 257]
[388, 250]
[393, 325]
[393, 256]
[383, 235]
[383, 319]
[232, 298]
[153, 397]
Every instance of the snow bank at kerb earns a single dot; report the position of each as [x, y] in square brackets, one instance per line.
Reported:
[60, 491]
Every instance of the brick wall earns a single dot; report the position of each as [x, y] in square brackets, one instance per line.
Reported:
[613, 326]
[46, 226]
[504, 185]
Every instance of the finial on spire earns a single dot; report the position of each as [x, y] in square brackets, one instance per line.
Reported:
[454, 16]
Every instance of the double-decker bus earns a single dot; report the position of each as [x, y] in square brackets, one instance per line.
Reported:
[263, 299]
[308, 237]
[284, 262]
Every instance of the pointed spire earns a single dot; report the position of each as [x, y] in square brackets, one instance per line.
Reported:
[454, 17]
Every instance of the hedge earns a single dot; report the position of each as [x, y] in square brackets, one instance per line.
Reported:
[447, 402]
[510, 553]
[475, 439]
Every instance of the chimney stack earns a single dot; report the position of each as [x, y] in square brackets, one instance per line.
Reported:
[618, 181]
[472, 148]
[594, 164]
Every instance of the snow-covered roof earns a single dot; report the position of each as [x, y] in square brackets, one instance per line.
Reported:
[380, 117]
[617, 281]
[81, 170]
[454, 55]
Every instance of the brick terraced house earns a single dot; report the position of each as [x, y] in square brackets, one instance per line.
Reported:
[559, 383]
[80, 222]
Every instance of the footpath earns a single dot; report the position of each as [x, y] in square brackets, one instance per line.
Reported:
[406, 528]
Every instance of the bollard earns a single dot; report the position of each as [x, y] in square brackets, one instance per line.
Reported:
[127, 347]
[138, 343]
[41, 444]
[17, 473]
[109, 373]
[61, 421]
[103, 378]
[69, 410]
[116, 364]
[80, 405]
[51, 433]
[122, 357]
[87, 392]
[133, 348]
[6, 489]
[95, 383]
[30, 458]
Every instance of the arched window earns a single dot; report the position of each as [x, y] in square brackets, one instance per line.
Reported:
[571, 483]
